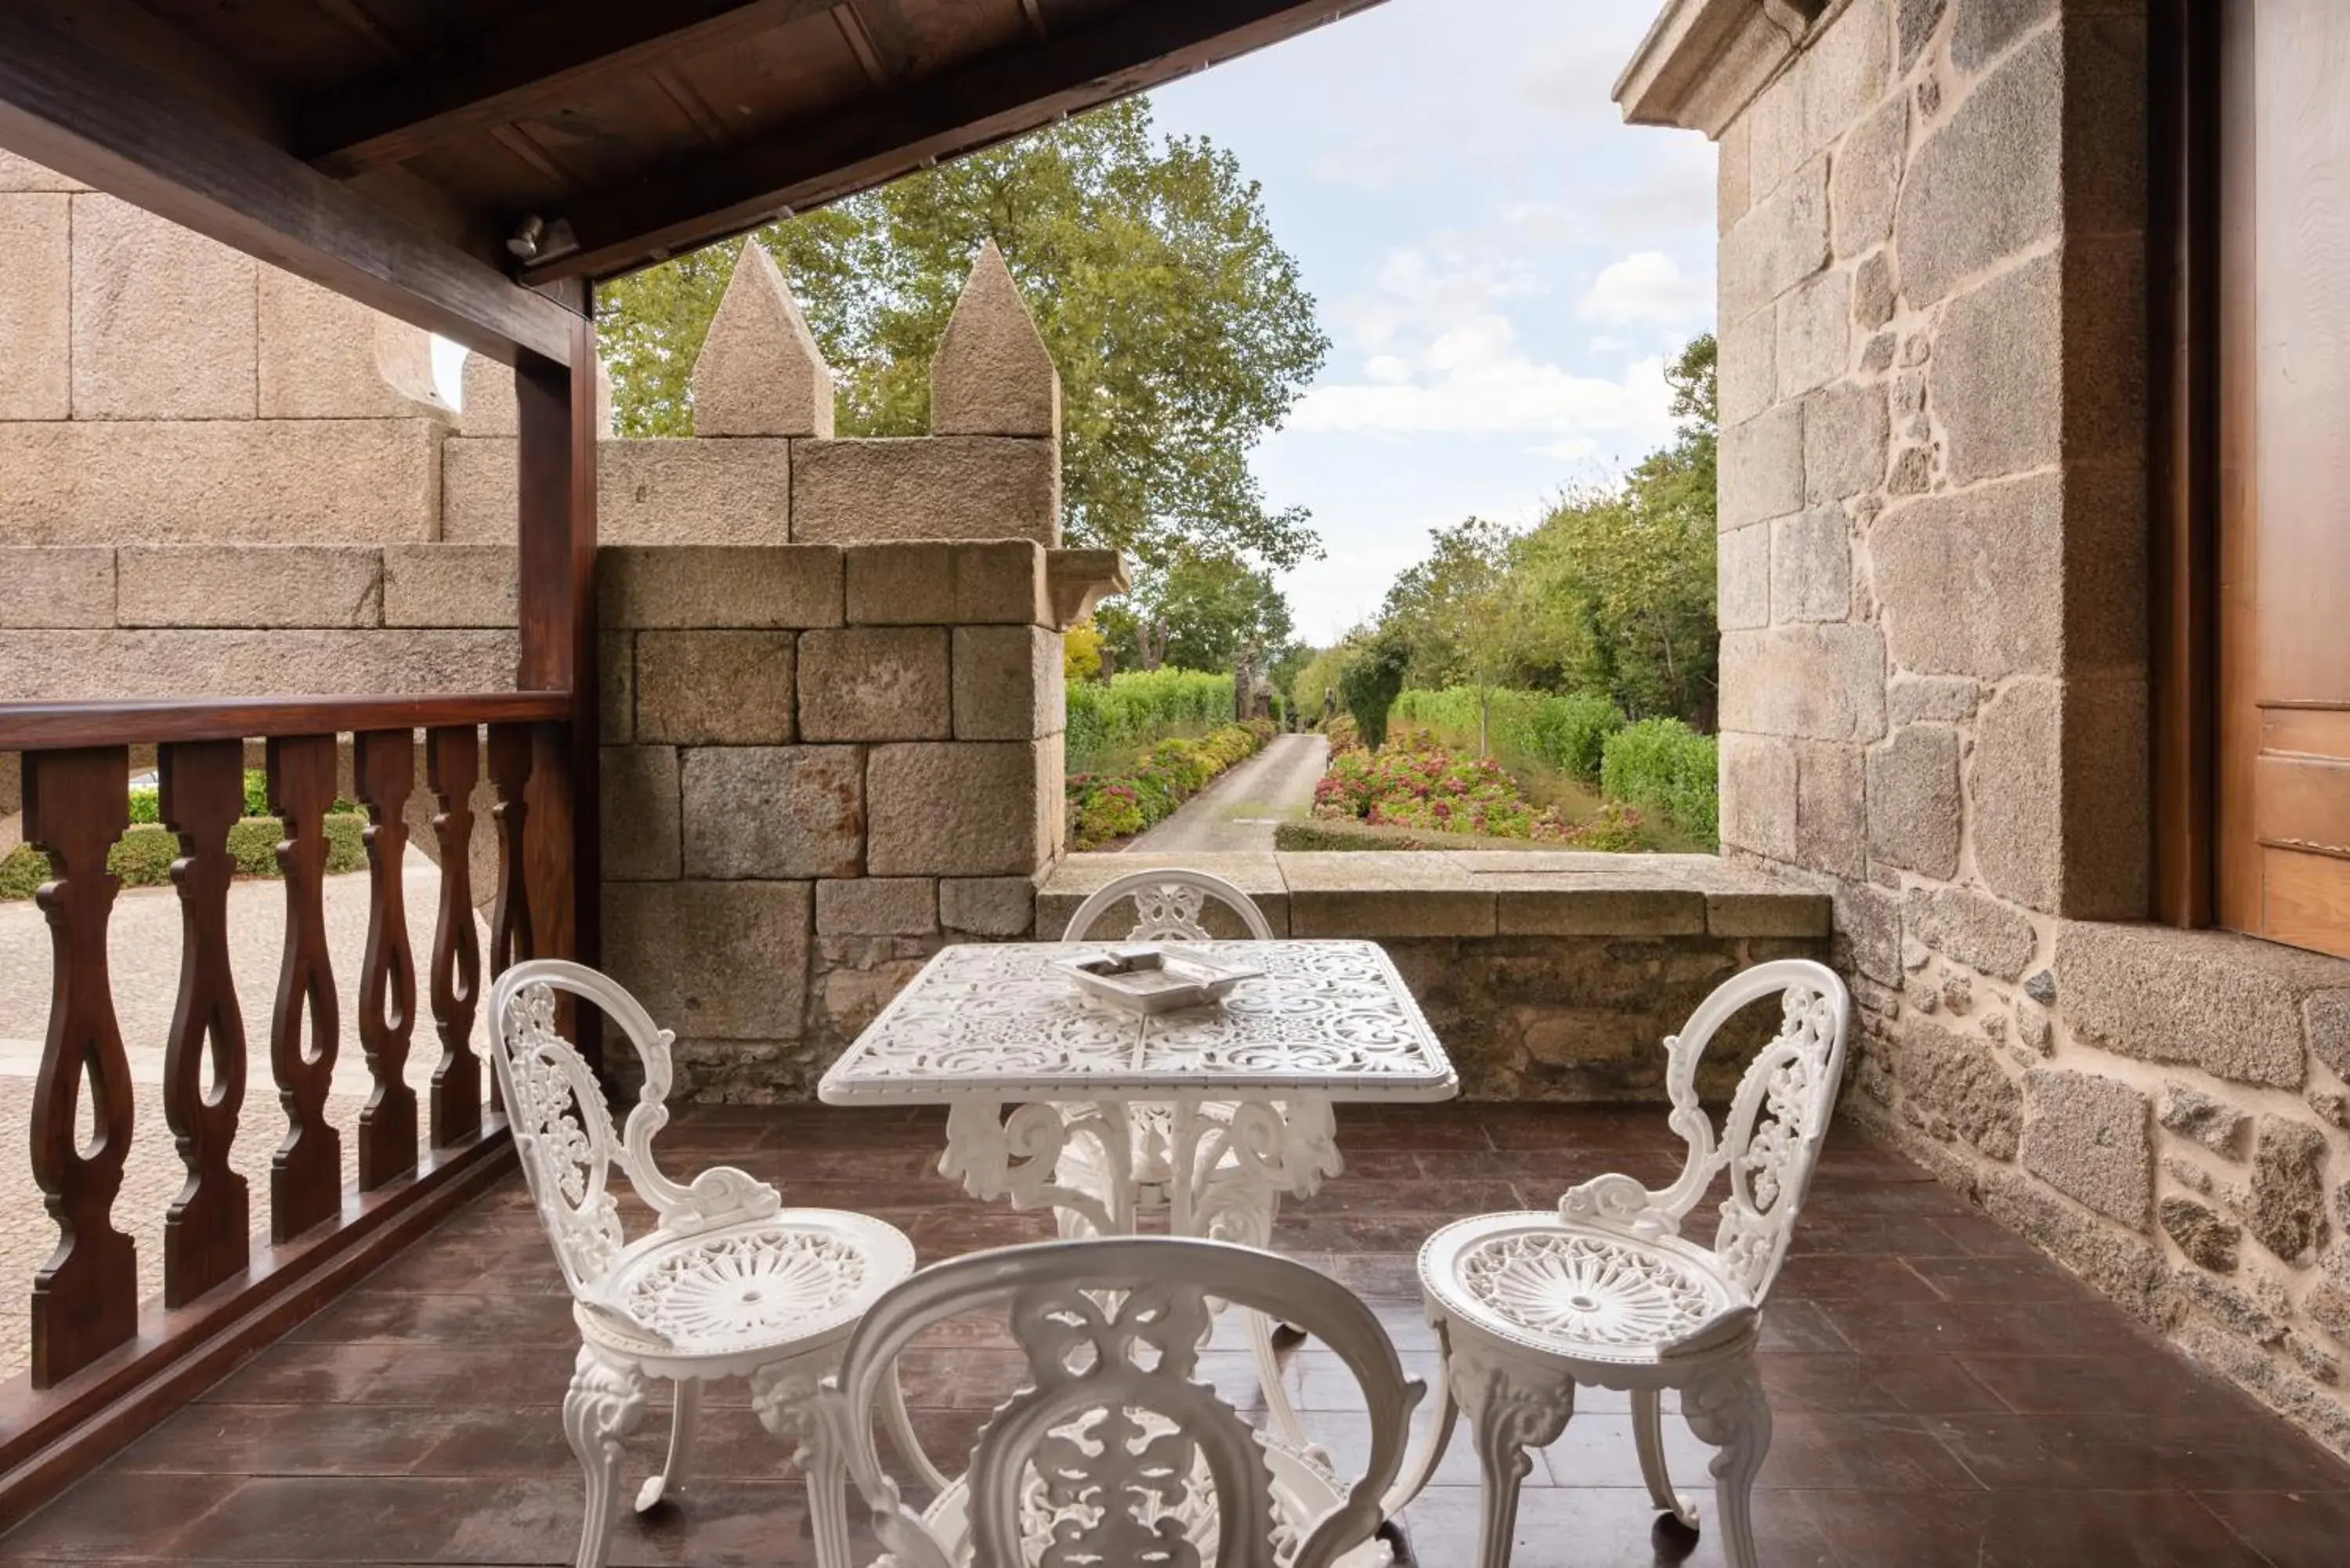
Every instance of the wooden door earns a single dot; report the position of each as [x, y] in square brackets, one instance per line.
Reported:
[2284, 513]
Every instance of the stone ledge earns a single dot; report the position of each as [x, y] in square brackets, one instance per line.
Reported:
[1444, 893]
[1704, 60]
[2236, 1007]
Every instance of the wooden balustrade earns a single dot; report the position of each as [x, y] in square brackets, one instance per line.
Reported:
[93, 1346]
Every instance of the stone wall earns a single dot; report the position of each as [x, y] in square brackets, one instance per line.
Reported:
[822, 762]
[1935, 661]
[1548, 975]
[218, 480]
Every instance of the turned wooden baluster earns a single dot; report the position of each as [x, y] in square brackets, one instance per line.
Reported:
[384, 765]
[510, 931]
[306, 1178]
[85, 1297]
[452, 758]
[511, 938]
[207, 1233]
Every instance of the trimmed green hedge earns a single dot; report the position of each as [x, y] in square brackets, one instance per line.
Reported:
[1109, 805]
[142, 857]
[1661, 765]
[1333, 833]
[1570, 733]
[1139, 705]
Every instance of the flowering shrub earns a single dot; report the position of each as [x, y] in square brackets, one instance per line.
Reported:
[1412, 781]
[1107, 806]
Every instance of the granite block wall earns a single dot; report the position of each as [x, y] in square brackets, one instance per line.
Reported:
[1935, 656]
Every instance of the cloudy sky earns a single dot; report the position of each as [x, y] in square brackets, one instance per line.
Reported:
[1502, 266]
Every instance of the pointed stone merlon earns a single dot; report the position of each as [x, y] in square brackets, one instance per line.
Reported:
[760, 372]
[992, 375]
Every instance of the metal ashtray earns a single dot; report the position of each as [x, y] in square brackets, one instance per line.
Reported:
[1153, 980]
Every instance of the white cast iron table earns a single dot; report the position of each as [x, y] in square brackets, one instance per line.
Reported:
[1046, 1089]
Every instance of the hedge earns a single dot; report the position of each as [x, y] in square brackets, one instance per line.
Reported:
[1569, 734]
[142, 857]
[1137, 705]
[1107, 805]
[1661, 765]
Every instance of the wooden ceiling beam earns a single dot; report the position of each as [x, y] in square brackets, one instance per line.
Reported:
[968, 106]
[65, 104]
[535, 61]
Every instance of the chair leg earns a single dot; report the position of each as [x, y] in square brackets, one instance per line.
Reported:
[1727, 1409]
[1649, 1436]
[900, 1423]
[602, 1406]
[1285, 1423]
[1512, 1410]
[678, 1469]
[1443, 1414]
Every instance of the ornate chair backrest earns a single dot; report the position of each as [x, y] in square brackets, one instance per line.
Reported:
[1770, 1139]
[565, 1138]
[1115, 1452]
[1168, 904]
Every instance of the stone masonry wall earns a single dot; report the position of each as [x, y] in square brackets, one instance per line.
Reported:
[831, 669]
[1548, 975]
[1934, 673]
[822, 762]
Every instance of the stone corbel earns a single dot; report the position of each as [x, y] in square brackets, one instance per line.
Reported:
[1703, 61]
[1077, 580]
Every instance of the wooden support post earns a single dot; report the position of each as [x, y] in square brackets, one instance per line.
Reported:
[556, 409]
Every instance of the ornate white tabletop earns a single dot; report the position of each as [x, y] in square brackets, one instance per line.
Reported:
[996, 1022]
[1209, 1115]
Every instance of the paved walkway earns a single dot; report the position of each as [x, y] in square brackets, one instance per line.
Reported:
[1239, 810]
[143, 953]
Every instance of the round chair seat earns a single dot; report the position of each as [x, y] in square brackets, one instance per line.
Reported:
[1531, 1280]
[761, 1285]
[1305, 1488]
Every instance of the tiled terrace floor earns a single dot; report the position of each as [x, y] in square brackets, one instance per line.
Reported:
[1942, 1396]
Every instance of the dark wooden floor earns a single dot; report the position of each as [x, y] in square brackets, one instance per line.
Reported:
[1942, 1396]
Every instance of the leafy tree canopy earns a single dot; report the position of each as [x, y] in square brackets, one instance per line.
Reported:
[1180, 326]
[1611, 594]
[1201, 612]
[1622, 581]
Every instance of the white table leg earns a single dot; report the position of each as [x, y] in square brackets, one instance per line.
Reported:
[1226, 1169]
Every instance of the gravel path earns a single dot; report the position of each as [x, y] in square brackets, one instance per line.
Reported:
[1239, 810]
[143, 953]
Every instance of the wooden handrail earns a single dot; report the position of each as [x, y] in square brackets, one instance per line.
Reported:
[54, 726]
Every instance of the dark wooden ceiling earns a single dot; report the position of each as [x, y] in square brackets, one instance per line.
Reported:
[614, 133]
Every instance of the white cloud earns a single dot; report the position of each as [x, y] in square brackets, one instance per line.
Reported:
[1645, 287]
[1374, 163]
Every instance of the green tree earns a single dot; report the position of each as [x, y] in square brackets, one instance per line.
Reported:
[1621, 582]
[1201, 612]
[1180, 326]
[1464, 612]
[1369, 680]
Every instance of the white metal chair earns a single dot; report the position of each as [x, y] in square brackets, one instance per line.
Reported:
[1168, 905]
[1607, 1293]
[727, 1283]
[1171, 904]
[1115, 1453]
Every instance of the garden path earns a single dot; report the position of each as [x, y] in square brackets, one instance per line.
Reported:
[1240, 810]
[143, 956]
